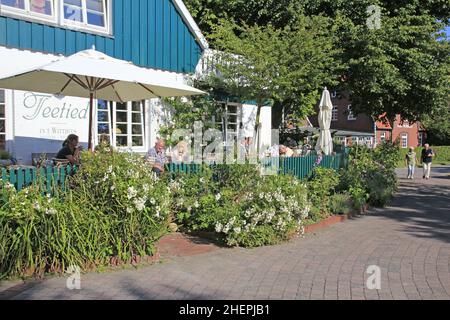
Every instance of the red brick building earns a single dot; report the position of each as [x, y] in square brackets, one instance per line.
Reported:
[408, 134]
[350, 129]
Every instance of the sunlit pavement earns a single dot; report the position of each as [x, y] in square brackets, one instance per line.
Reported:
[409, 241]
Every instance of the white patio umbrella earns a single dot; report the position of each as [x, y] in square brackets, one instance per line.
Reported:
[325, 142]
[92, 74]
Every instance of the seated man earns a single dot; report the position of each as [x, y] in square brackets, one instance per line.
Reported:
[70, 151]
[158, 155]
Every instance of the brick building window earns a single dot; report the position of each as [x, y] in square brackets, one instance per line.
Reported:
[404, 140]
[335, 114]
[351, 115]
[383, 137]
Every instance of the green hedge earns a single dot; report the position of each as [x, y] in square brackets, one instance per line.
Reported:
[442, 155]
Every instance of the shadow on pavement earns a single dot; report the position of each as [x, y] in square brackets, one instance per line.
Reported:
[422, 206]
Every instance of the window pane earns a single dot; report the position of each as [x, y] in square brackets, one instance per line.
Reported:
[73, 10]
[102, 105]
[95, 5]
[121, 106]
[121, 129]
[2, 96]
[103, 116]
[137, 118]
[2, 111]
[2, 126]
[103, 128]
[137, 129]
[95, 19]
[138, 141]
[121, 117]
[20, 4]
[136, 106]
[41, 6]
[121, 141]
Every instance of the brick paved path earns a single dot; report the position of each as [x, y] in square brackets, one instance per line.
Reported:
[409, 241]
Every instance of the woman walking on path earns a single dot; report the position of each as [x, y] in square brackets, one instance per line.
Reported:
[411, 161]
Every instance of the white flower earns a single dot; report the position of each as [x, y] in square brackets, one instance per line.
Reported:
[37, 206]
[110, 169]
[132, 192]
[196, 204]
[130, 210]
[9, 186]
[158, 214]
[237, 230]
[146, 187]
[140, 204]
[218, 196]
[202, 180]
[113, 188]
[153, 201]
[50, 211]
[219, 227]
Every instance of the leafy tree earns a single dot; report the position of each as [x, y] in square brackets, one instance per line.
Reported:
[287, 65]
[438, 126]
[401, 68]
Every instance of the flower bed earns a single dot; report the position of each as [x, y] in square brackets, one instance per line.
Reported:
[241, 206]
[114, 213]
[116, 209]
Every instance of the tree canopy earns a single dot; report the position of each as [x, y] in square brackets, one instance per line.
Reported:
[402, 67]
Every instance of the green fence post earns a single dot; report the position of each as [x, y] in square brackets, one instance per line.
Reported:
[13, 178]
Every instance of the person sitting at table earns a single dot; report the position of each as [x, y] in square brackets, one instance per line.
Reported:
[70, 151]
[157, 157]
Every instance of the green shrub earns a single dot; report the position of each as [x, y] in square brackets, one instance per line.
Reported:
[321, 187]
[370, 175]
[340, 203]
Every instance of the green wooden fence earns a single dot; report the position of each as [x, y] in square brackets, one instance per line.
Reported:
[300, 167]
[49, 177]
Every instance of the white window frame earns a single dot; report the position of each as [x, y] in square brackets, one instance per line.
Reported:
[129, 111]
[383, 137]
[27, 13]
[57, 17]
[335, 114]
[107, 5]
[351, 116]
[4, 104]
[108, 111]
[403, 136]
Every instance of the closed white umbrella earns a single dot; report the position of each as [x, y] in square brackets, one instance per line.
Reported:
[92, 74]
[325, 142]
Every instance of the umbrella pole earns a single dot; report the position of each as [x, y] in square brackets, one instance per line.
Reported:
[91, 116]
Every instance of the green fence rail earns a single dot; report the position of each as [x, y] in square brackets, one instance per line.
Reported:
[49, 177]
